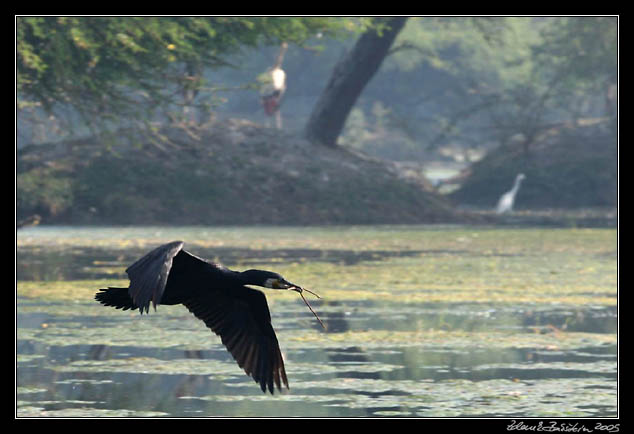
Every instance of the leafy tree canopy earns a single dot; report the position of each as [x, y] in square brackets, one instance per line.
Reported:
[490, 78]
[106, 66]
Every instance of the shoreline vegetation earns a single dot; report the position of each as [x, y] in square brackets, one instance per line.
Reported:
[236, 172]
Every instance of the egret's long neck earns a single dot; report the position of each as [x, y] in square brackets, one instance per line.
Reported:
[516, 185]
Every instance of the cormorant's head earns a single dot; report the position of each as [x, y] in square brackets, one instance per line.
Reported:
[267, 279]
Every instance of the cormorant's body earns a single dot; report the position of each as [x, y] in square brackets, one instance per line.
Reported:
[217, 296]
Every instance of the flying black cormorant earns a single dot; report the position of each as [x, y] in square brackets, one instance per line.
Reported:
[216, 295]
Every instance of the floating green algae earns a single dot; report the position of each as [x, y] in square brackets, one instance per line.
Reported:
[422, 322]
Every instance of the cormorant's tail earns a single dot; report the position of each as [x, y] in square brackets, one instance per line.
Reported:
[116, 297]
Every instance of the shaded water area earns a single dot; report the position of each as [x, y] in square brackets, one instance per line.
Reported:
[423, 321]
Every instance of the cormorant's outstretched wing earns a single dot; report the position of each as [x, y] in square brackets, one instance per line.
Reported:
[148, 276]
[240, 316]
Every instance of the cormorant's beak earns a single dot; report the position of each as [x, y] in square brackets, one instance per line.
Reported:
[300, 289]
[293, 286]
[285, 284]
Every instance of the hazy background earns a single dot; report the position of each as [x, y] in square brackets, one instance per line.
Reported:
[468, 100]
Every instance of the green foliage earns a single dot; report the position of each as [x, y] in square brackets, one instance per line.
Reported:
[474, 81]
[585, 46]
[117, 67]
[43, 191]
[468, 48]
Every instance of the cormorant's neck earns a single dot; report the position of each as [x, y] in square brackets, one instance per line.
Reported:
[251, 277]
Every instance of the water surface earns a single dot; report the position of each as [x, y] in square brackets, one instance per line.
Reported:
[438, 321]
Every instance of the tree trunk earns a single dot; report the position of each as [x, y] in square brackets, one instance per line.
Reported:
[348, 79]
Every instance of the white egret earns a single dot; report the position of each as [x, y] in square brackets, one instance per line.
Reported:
[505, 204]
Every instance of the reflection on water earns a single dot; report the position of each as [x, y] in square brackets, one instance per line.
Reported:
[380, 357]
[96, 263]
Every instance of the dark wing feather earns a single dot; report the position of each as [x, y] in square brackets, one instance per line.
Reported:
[241, 318]
[148, 276]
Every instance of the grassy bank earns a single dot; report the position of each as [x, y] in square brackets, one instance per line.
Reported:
[230, 173]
